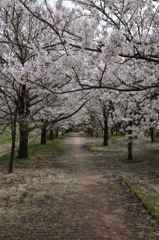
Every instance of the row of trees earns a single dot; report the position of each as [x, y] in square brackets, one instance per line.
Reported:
[130, 114]
[56, 60]
[29, 77]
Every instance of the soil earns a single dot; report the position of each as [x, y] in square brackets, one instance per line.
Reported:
[83, 197]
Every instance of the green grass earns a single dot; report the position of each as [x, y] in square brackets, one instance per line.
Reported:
[4, 161]
[48, 196]
[5, 136]
[117, 145]
[50, 146]
[35, 150]
[70, 134]
[83, 134]
[100, 134]
[151, 203]
[134, 160]
[98, 146]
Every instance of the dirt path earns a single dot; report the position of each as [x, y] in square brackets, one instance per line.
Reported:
[92, 206]
[94, 210]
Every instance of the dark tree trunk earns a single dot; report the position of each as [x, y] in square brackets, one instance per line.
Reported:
[13, 129]
[130, 155]
[105, 140]
[23, 112]
[152, 134]
[91, 132]
[51, 135]
[116, 129]
[112, 131]
[62, 132]
[56, 133]
[43, 136]
[23, 145]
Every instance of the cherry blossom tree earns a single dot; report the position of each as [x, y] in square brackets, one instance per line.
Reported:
[31, 66]
[115, 32]
[65, 107]
[100, 108]
[134, 113]
[98, 45]
[8, 115]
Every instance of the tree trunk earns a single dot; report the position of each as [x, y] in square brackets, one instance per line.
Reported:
[152, 134]
[56, 133]
[23, 145]
[105, 140]
[13, 129]
[130, 155]
[116, 129]
[112, 131]
[51, 135]
[96, 134]
[43, 136]
[92, 132]
[23, 112]
[89, 131]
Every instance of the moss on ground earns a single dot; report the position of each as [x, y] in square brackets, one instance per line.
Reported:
[145, 192]
[134, 160]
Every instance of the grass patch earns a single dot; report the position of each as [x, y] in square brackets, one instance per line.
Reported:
[4, 161]
[53, 146]
[71, 134]
[48, 196]
[143, 192]
[98, 133]
[83, 134]
[5, 136]
[134, 160]
[152, 144]
[97, 146]
[35, 182]
[36, 152]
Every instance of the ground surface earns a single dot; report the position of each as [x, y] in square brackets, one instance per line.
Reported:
[84, 197]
